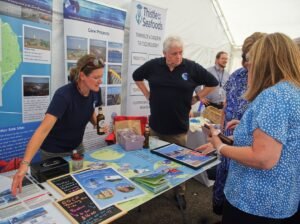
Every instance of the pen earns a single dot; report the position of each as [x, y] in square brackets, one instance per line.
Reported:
[41, 186]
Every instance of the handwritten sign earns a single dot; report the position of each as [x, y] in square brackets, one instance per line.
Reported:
[79, 208]
[64, 184]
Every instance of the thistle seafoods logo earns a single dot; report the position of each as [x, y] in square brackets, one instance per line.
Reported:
[138, 15]
[148, 17]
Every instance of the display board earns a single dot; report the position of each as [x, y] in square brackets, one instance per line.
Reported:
[79, 208]
[147, 28]
[64, 184]
[95, 28]
[25, 71]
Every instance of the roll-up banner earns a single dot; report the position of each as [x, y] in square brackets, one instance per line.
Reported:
[147, 28]
[92, 28]
[25, 70]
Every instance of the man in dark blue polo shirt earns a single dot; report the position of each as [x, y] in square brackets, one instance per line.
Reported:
[172, 81]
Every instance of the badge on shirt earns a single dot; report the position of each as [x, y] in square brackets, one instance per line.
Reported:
[185, 76]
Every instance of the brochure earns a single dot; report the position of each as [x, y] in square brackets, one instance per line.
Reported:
[37, 216]
[107, 187]
[32, 196]
[152, 181]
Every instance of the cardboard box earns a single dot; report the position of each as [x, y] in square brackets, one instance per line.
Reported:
[129, 140]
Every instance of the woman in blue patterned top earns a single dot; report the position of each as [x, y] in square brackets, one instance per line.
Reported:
[234, 109]
[263, 180]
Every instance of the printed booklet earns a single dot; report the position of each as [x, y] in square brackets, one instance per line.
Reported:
[152, 181]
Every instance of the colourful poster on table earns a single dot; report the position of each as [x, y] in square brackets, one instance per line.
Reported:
[25, 71]
[93, 28]
[107, 187]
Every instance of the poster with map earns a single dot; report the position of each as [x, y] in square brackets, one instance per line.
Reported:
[25, 71]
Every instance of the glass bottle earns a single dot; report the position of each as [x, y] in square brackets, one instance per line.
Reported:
[146, 135]
[100, 122]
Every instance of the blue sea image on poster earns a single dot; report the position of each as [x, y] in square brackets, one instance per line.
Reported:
[107, 187]
[11, 107]
[94, 13]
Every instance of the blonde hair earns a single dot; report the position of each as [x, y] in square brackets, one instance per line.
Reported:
[273, 58]
[82, 62]
[249, 41]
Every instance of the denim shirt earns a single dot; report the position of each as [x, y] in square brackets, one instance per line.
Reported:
[236, 105]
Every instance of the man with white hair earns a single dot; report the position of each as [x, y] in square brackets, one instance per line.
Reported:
[172, 81]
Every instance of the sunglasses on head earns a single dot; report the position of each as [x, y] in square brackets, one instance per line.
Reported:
[96, 63]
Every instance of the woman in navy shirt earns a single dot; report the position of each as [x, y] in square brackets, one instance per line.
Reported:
[71, 108]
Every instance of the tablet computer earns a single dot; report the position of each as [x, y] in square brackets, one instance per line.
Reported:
[183, 155]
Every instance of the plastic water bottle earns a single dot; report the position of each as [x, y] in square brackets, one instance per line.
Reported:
[77, 160]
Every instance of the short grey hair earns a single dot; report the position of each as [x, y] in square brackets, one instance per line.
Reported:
[172, 41]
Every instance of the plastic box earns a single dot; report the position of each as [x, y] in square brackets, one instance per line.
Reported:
[129, 140]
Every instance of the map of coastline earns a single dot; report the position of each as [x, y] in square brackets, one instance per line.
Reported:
[11, 56]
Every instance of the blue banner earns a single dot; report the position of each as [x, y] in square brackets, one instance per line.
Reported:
[38, 5]
[90, 12]
[25, 71]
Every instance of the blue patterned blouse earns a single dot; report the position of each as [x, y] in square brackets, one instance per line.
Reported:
[236, 105]
[273, 193]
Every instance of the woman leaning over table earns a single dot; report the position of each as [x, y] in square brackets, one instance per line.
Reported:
[71, 108]
[263, 180]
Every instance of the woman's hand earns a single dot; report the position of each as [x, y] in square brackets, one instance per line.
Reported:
[18, 179]
[206, 148]
[106, 128]
[232, 124]
[214, 138]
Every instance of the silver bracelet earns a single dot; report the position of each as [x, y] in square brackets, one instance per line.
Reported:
[25, 162]
[220, 148]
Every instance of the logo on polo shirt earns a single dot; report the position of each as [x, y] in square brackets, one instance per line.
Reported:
[185, 76]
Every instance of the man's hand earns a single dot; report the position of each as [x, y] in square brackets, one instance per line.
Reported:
[204, 100]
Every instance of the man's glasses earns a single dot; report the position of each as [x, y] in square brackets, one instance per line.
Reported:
[96, 63]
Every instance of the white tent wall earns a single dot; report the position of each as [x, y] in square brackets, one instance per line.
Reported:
[236, 59]
[195, 21]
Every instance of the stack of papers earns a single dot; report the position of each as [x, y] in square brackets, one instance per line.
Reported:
[152, 181]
